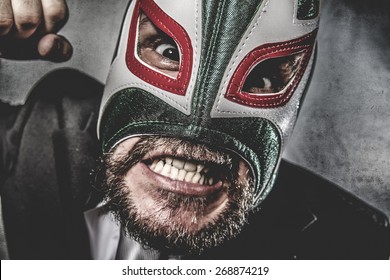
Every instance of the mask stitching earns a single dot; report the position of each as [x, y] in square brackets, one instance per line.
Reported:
[275, 49]
[281, 97]
[277, 98]
[257, 112]
[191, 85]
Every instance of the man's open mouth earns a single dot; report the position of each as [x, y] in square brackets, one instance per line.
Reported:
[178, 166]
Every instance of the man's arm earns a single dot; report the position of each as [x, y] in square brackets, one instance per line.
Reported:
[28, 30]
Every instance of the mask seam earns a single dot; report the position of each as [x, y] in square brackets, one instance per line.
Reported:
[208, 56]
[243, 44]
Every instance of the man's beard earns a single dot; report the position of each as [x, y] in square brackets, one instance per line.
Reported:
[174, 237]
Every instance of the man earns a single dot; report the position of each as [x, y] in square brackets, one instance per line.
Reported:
[197, 108]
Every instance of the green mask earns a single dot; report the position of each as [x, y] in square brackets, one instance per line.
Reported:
[231, 75]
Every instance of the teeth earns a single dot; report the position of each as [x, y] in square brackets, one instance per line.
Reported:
[166, 170]
[188, 177]
[182, 175]
[189, 166]
[153, 166]
[196, 178]
[179, 164]
[174, 173]
[201, 180]
[159, 167]
[199, 167]
[181, 170]
[168, 160]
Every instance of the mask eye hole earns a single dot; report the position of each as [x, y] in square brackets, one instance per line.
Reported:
[157, 49]
[268, 76]
[272, 75]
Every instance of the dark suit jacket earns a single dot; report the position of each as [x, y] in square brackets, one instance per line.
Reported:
[48, 148]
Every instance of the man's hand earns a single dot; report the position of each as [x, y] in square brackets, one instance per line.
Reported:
[28, 29]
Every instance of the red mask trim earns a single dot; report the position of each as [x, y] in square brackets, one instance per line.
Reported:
[234, 91]
[166, 24]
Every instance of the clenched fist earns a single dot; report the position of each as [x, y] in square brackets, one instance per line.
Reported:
[28, 29]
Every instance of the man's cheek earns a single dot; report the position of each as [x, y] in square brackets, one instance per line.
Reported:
[143, 193]
[123, 148]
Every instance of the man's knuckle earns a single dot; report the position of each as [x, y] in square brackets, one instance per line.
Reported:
[56, 13]
[5, 25]
[28, 20]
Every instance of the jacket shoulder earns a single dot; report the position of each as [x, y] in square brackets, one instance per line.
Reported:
[54, 149]
[337, 224]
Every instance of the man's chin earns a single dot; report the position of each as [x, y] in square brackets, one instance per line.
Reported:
[160, 204]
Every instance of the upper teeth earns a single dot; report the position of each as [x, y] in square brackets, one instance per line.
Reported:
[181, 170]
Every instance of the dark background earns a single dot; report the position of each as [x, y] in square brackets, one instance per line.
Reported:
[343, 131]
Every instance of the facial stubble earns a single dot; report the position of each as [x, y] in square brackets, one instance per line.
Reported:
[175, 237]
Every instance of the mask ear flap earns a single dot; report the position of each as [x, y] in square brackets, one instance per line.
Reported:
[171, 29]
[267, 62]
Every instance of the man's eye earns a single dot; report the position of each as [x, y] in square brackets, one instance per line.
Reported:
[169, 51]
[272, 75]
[157, 49]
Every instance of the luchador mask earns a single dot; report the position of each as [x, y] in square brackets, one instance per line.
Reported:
[230, 74]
